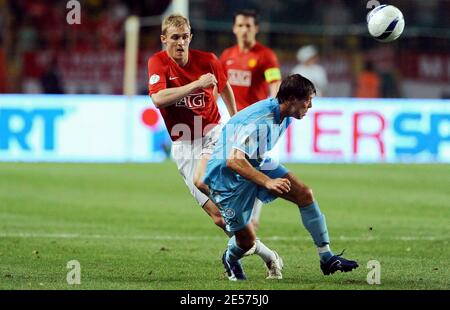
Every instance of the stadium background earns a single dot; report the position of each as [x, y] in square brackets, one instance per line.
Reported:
[35, 35]
[53, 212]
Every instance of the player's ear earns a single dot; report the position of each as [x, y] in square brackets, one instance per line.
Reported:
[293, 100]
[234, 29]
[163, 39]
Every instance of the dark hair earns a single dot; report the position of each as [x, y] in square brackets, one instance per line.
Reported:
[296, 86]
[247, 13]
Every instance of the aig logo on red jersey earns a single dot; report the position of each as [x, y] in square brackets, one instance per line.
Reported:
[239, 77]
[192, 101]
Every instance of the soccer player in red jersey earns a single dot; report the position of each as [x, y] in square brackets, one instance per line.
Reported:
[183, 84]
[252, 69]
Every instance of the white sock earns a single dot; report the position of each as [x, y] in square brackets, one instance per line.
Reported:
[264, 252]
[324, 249]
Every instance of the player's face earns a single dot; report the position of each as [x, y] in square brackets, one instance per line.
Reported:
[245, 29]
[177, 40]
[299, 108]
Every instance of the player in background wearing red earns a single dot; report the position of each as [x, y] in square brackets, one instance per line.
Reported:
[184, 84]
[253, 70]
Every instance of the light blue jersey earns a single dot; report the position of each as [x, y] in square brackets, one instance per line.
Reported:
[255, 131]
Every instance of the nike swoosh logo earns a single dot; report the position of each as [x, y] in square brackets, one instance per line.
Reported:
[173, 77]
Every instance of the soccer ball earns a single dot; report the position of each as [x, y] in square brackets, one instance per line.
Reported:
[385, 23]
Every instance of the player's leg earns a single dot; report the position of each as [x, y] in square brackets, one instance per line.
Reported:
[314, 222]
[272, 260]
[209, 206]
[237, 211]
[245, 243]
[257, 207]
[200, 172]
[312, 218]
[269, 257]
[186, 159]
[238, 245]
[205, 149]
[248, 242]
[211, 209]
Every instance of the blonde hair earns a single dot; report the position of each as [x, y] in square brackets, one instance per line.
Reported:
[175, 20]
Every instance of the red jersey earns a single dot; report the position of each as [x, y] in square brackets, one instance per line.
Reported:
[164, 73]
[249, 73]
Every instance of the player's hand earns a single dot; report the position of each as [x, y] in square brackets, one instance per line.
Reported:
[280, 186]
[207, 80]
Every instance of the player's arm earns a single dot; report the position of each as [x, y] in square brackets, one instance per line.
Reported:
[167, 97]
[272, 73]
[228, 97]
[239, 164]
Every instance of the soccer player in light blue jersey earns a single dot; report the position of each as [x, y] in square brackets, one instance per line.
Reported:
[239, 172]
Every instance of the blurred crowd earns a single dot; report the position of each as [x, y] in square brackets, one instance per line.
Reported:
[41, 53]
[36, 34]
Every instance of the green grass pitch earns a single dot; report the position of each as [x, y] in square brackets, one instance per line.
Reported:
[135, 226]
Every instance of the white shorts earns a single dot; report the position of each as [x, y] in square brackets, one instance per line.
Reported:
[186, 155]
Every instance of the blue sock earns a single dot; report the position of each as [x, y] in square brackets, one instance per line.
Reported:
[314, 222]
[234, 252]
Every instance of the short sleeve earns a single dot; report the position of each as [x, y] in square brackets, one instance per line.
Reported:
[156, 75]
[271, 67]
[246, 140]
[219, 72]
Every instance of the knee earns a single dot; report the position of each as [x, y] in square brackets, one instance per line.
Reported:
[305, 197]
[309, 198]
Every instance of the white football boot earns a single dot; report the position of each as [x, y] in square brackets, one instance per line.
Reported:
[274, 268]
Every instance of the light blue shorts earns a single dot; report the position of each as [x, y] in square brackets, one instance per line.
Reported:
[236, 207]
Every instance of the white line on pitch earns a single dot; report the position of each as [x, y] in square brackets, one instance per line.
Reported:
[193, 238]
